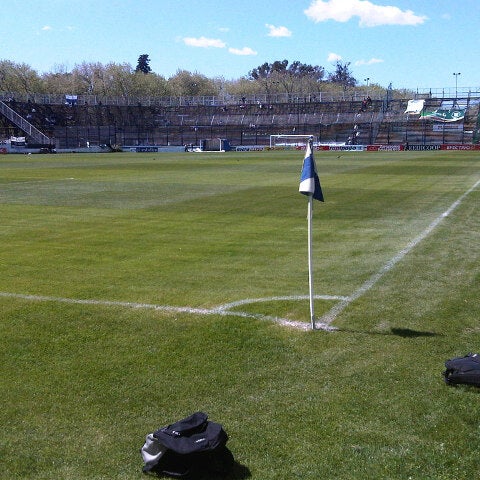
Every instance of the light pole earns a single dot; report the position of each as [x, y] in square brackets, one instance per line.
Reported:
[456, 84]
[367, 80]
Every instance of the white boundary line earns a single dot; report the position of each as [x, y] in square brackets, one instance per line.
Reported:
[323, 323]
[330, 316]
[224, 309]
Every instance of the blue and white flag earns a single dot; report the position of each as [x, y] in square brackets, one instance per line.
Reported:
[309, 181]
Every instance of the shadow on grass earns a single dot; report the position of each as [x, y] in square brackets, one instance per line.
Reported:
[399, 332]
[236, 472]
[408, 333]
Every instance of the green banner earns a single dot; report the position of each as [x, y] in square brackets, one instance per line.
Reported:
[444, 115]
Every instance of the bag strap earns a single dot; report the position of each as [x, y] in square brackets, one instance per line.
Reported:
[188, 425]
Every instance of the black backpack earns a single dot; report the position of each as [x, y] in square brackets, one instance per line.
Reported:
[464, 370]
[192, 446]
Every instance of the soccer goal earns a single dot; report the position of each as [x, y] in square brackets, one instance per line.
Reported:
[215, 145]
[290, 141]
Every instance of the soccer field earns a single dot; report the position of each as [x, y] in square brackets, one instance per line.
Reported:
[136, 289]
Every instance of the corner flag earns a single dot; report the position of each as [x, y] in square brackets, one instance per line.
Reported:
[310, 186]
[309, 181]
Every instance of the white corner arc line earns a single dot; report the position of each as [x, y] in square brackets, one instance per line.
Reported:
[228, 306]
[223, 310]
[331, 315]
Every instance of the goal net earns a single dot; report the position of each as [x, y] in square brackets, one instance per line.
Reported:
[215, 145]
[290, 141]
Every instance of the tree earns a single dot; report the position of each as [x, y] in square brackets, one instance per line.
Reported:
[59, 80]
[266, 74]
[185, 83]
[290, 78]
[143, 64]
[242, 87]
[19, 78]
[121, 81]
[267, 70]
[152, 85]
[86, 78]
[342, 75]
[298, 74]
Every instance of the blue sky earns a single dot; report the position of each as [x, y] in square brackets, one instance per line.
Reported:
[410, 43]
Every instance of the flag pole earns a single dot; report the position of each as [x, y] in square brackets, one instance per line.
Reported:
[310, 261]
[310, 186]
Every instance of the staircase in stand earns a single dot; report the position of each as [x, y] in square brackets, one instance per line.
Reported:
[23, 124]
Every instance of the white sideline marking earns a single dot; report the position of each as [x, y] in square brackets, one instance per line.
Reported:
[328, 318]
[220, 310]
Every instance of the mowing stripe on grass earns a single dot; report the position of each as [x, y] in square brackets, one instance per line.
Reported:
[330, 316]
[323, 323]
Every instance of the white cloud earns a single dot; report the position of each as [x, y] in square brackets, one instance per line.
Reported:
[242, 51]
[204, 42]
[274, 31]
[372, 61]
[46, 28]
[333, 57]
[369, 14]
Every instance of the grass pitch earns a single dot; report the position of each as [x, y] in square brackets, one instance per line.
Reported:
[90, 245]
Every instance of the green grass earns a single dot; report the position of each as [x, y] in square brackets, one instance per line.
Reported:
[82, 384]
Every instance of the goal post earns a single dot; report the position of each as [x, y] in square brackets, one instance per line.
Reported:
[290, 141]
[215, 145]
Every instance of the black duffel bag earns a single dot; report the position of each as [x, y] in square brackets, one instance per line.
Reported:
[189, 447]
[463, 370]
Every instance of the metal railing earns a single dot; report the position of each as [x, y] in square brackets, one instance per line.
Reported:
[357, 94]
[23, 124]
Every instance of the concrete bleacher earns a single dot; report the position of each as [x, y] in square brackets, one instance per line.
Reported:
[73, 126]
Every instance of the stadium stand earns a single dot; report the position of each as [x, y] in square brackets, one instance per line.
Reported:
[82, 123]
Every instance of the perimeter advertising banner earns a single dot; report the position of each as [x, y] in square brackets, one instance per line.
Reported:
[384, 148]
[460, 147]
[372, 148]
[343, 148]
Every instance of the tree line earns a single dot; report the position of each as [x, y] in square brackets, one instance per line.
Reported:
[122, 80]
